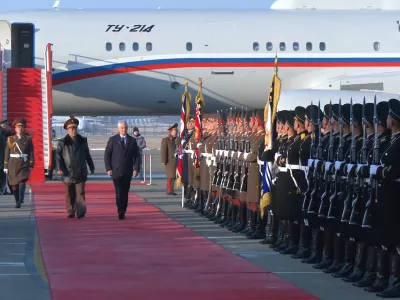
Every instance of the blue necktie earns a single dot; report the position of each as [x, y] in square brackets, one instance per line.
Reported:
[123, 142]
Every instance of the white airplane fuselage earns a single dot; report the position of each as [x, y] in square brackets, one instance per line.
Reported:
[322, 50]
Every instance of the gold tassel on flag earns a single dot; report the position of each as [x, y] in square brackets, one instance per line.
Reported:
[199, 103]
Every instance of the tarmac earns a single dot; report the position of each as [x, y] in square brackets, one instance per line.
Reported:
[22, 274]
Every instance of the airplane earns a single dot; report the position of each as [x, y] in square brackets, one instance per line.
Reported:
[336, 5]
[135, 62]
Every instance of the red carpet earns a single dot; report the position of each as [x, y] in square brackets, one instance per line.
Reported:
[148, 256]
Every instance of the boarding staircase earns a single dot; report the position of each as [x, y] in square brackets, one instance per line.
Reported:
[27, 93]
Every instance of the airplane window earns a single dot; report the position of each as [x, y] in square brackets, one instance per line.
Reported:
[296, 46]
[135, 46]
[149, 46]
[256, 46]
[189, 46]
[108, 46]
[377, 46]
[269, 46]
[322, 46]
[309, 46]
[121, 46]
[282, 46]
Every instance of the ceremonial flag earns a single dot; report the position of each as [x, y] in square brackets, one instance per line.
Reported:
[270, 125]
[185, 112]
[198, 123]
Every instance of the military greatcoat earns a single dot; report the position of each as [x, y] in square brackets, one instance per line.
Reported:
[254, 179]
[168, 157]
[19, 158]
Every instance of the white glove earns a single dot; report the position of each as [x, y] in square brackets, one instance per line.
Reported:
[338, 164]
[373, 169]
[327, 165]
[5, 171]
[276, 156]
[310, 163]
[183, 141]
[226, 152]
[199, 144]
[359, 166]
[245, 156]
[349, 167]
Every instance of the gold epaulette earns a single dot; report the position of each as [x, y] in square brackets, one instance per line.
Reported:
[303, 135]
[10, 143]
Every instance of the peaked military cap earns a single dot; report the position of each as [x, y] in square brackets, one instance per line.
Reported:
[191, 118]
[312, 114]
[300, 114]
[175, 126]
[369, 112]
[290, 115]
[260, 115]
[394, 109]
[71, 122]
[3, 122]
[357, 113]
[19, 121]
[326, 111]
[346, 113]
[282, 116]
[335, 111]
[382, 112]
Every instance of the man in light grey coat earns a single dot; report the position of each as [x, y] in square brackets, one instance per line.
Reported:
[141, 142]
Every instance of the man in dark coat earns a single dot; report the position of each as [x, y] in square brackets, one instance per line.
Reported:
[5, 132]
[72, 154]
[122, 161]
[168, 157]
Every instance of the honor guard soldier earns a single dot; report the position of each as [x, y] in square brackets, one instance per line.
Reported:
[382, 212]
[168, 157]
[270, 222]
[376, 270]
[19, 160]
[308, 152]
[254, 176]
[5, 132]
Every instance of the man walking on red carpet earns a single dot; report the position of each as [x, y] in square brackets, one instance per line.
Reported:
[122, 161]
[72, 154]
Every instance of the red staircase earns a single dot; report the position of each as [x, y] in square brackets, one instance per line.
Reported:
[24, 100]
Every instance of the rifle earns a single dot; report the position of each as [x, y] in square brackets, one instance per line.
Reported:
[228, 159]
[313, 156]
[314, 200]
[219, 147]
[243, 188]
[231, 179]
[347, 208]
[223, 146]
[236, 183]
[324, 205]
[357, 207]
[373, 180]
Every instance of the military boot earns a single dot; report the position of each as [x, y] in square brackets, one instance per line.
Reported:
[270, 230]
[349, 258]
[248, 222]
[224, 211]
[327, 253]
[305, 241]
[279, 236]
[317, 244]
[338, 256]
[286, 237]
[242, 219]
[393, 290]
[293, 246]
[370, 269]
[228, 215]
[16, 193]
[235, 209]
[253, 224]
[260, 228]
[382, 272]
[359, 264]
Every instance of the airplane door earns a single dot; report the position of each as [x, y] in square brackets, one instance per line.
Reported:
[5, 44]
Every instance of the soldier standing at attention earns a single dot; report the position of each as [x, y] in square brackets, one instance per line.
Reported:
[168, 157]
[72, 154]
[5, 132]
[19, 160]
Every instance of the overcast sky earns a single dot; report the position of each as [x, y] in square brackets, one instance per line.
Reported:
[13, 5]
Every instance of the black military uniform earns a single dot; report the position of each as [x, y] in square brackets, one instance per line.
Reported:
[307, 153]
[384, 212]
